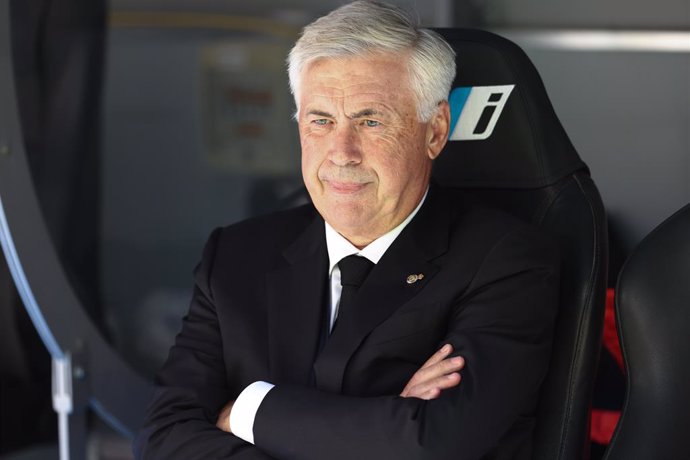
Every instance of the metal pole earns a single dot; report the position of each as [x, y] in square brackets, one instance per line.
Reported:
[62, 400]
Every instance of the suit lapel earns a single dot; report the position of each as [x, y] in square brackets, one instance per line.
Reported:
[386, 289]
[297, 298]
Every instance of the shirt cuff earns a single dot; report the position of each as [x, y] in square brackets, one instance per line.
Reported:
[244, 410]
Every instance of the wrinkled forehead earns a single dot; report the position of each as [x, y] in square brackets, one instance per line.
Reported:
[379, 78]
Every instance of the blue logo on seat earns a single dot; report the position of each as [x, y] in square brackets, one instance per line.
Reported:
[475, 110]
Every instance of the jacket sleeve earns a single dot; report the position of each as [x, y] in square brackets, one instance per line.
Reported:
[502, 324]
[191, 388]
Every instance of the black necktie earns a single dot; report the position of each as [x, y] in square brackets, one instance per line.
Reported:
[353, 271]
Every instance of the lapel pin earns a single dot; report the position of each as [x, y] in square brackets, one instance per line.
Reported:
[411, 279]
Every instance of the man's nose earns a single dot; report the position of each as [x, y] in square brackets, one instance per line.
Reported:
[346, 146]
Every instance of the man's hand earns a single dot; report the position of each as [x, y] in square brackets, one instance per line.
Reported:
[437, 374]
[223, 421]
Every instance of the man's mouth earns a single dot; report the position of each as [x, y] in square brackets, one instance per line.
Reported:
[345, 187]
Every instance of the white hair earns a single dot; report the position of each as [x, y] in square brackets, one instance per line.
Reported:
[366, 27]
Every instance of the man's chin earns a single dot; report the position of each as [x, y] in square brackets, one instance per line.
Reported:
[353, 226]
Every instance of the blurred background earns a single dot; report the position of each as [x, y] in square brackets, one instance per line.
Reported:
[147, 123]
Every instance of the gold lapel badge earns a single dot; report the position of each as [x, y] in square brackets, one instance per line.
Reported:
[411, 279]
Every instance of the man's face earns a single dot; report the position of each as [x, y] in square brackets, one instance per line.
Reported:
[366, 159]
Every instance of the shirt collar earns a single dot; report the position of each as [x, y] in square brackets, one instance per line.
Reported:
[339, 247]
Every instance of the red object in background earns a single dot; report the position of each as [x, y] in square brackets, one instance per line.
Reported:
[604, 421]
[610, 334]
[603, 425]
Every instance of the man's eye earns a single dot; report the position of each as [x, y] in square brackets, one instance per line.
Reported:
[320, 122]
[372, 123]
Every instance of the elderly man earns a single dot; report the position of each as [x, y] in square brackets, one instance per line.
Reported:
[341, 329]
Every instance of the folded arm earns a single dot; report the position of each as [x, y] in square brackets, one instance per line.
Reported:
[440, 372]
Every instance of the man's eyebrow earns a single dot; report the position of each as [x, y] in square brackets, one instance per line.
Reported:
[364, 113]
[320, 113]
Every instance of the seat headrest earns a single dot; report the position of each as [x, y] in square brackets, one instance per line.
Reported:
[504, 131]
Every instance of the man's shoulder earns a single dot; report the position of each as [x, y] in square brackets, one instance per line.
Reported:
[274, 225]
[483, 225]
[474, 214]
[256, 244]
[262, 235]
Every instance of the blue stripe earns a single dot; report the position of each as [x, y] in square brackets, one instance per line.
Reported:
[24, 288]
[457, 99]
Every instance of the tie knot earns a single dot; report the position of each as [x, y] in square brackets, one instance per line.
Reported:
[353, 270]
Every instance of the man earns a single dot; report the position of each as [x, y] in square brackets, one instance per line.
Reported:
[351, 369]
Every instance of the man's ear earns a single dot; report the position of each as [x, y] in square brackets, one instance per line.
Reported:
[437, 130]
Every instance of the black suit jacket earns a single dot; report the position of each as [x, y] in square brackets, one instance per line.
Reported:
[489, 288]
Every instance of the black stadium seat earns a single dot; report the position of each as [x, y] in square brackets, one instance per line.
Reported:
[653, 315]
[508, 148]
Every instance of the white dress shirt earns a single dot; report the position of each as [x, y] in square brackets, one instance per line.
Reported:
[247, 404]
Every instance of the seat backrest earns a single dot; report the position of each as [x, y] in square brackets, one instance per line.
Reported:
[653, 314]
[508, 148]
